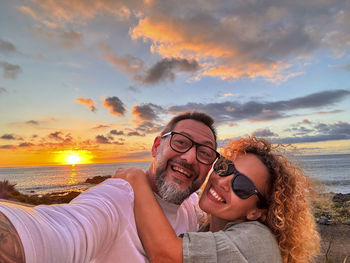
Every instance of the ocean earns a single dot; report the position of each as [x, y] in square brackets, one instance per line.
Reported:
[333, 171]
[57, 178]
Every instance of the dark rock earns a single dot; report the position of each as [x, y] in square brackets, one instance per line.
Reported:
[341, 197]
[97, 179]
[324, 220]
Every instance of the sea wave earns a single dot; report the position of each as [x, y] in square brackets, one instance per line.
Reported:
[338, 182]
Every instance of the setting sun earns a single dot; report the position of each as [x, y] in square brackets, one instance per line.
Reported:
[73, 157]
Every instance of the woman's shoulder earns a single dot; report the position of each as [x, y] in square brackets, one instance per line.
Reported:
[246, 226]
[254, 236]
[253, 230]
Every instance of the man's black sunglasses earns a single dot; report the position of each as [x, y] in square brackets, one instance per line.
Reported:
[181, 143]
[242, 186]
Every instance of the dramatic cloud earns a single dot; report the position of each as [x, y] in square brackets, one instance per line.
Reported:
[128, 64]
[56, 136]
[115, 105]
[9, 137]
[340, 128]
[329, 112]
[7, 147]
[78, 11]
[237, 39]
[7, 47]
[59, 136]
[262, 111]
[314, 100]
[318, 133]
[147, 116]
[25, 144]
[32, 122]
[101, 126]
[228, 39]
[67, 39]
[163, 70]
[264, 133]
[102, 139]
[133, 89]
[115, 132]
[89, 103]
[149, 127]
[118, 143]
[300, 130]
[135, 133]
[147, 112]
[10, 71]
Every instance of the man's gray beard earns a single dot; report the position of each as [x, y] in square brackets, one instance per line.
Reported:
[170, 192]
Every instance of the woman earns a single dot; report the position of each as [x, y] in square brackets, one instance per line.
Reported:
[257, 205]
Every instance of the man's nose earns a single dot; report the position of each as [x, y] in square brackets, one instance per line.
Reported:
[190, 155]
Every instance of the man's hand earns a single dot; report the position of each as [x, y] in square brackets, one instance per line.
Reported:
[132, 175]
[11, 248]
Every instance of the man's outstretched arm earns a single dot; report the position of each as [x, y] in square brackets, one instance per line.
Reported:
[11, 248]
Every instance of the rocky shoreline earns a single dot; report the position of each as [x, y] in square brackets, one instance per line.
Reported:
[332, 209]
[9, 192]
[332, 213]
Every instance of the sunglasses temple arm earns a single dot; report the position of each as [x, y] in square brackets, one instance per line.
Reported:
[262, 199]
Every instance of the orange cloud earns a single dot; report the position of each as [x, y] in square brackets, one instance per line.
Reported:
[128, 64]
[248, 70]
[80, 11]
[89, 103]
[172, 39]
[176, 38]
[68, 39]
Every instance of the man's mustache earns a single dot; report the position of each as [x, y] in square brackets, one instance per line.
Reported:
[185, 165]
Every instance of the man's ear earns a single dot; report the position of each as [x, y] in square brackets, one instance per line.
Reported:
[256, 213]
[155, 146]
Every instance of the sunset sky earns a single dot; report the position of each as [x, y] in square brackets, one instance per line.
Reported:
[99, 79]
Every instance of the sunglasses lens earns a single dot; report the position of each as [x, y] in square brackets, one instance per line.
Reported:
[242, 186]
[223, 167]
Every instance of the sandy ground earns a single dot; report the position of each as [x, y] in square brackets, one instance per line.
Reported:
[335, 243]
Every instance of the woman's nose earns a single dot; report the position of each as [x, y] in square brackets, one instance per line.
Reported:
[224, 182]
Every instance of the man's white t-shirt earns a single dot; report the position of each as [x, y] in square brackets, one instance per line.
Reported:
[97, 226]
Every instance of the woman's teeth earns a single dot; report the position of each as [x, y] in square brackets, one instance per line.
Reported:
[215, 195]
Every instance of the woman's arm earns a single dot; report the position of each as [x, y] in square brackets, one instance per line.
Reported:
[157, 235]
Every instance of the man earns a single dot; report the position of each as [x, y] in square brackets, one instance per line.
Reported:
[99, 225]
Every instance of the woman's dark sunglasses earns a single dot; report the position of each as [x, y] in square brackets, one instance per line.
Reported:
[242, 186]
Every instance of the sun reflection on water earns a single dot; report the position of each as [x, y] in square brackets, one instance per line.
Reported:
[73, 176]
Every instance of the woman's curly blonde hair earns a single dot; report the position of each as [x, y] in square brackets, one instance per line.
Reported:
[289, 214]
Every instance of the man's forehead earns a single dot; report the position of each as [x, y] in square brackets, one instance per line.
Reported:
[196, 130]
